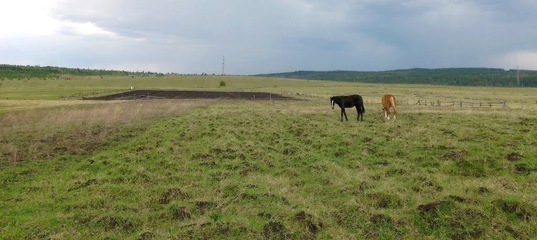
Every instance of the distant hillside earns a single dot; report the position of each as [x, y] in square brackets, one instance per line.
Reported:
[446, 76]
[19, 72]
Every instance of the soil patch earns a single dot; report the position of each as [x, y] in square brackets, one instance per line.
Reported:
[176, 94]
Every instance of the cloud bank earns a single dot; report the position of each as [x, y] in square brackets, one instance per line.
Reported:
[269, 36]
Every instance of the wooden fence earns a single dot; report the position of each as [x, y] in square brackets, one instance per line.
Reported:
[399, 101]
[438, 103]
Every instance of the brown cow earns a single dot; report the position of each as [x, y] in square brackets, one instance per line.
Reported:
[388, 101]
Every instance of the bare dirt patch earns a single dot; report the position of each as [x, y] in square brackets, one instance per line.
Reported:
[176, 94]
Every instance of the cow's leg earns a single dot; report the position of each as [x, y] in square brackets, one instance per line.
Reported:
[345, 113]
[341, 117]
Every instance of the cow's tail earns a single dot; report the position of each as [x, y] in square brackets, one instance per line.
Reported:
[392, 101]
[362, 107]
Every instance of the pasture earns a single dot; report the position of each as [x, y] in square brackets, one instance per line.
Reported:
[199, 168]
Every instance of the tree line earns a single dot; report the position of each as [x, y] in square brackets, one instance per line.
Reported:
[24, 72]
[445, 76]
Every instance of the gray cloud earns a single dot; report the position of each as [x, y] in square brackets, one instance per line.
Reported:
[287, 35]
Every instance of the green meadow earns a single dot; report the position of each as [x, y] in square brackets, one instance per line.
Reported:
[240, 169]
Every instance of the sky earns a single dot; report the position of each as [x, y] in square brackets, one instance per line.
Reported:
[269, 36]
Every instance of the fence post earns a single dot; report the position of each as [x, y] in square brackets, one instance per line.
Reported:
[439, 104]
[461, 103]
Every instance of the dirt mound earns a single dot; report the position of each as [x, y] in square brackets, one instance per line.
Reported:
[171, 94]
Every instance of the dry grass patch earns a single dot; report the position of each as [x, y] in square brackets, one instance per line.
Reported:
[53, 114]
[48, 131]
[22, 105]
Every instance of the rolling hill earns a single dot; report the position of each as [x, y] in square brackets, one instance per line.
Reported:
[446, 76]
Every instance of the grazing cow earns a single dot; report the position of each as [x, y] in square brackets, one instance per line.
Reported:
[388, 101]
[349, 102]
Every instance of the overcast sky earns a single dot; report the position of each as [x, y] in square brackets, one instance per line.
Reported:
[267, 36]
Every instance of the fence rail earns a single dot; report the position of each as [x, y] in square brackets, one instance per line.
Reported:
[438, 103]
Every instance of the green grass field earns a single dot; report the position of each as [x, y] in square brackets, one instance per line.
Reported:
[236, 169]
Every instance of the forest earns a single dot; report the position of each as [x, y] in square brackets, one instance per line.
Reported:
[445, 76]
[24, 72]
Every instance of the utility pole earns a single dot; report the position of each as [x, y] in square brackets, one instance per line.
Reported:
[517, 77]
[223, 65]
